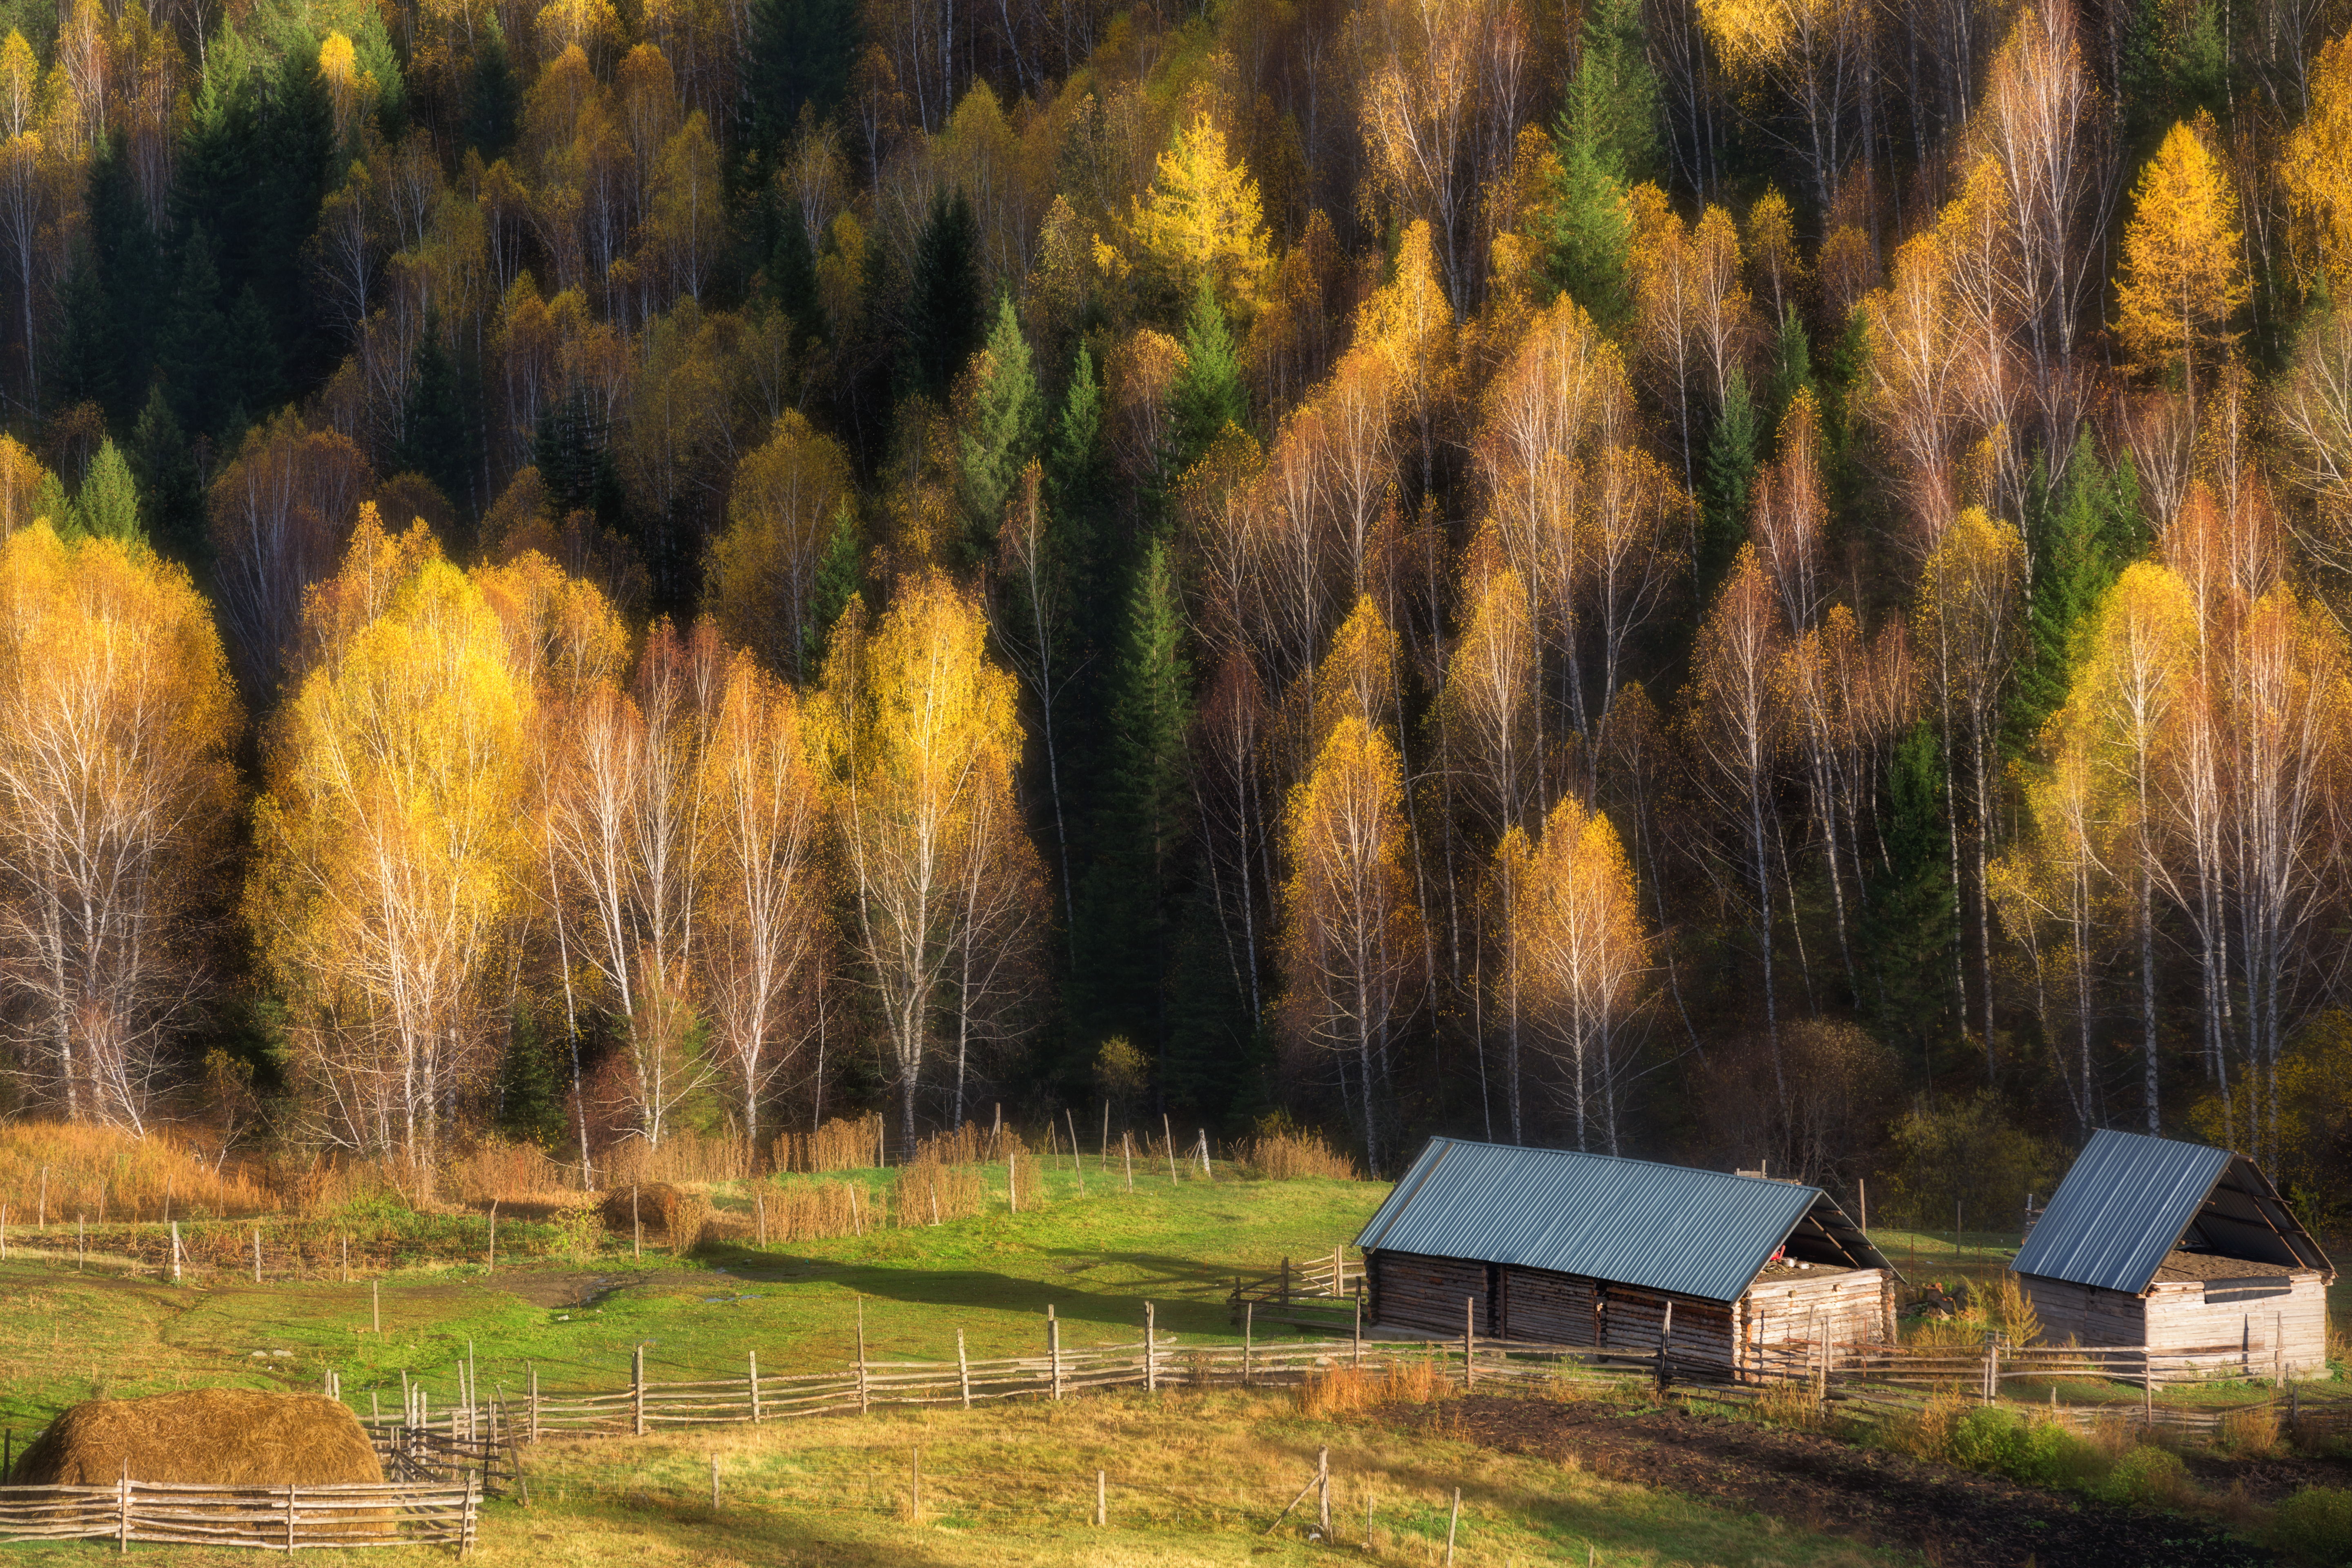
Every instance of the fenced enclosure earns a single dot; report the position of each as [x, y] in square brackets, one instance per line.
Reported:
[276, 1519]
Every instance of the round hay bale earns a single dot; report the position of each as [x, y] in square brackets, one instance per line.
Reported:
[225, 1437]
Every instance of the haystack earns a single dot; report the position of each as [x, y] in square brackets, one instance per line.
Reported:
[653, 1201]
[227, 1437]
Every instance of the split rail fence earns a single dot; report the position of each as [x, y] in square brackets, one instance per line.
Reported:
[1314, 1293]
[276, 1519]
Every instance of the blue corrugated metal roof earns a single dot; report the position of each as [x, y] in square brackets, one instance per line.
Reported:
[2120, 1209]
[1633, 1222]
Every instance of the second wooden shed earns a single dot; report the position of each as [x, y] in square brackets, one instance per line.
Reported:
[2185, 1249]
[1573, 1248]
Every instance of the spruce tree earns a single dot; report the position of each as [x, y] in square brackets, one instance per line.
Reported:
[1008, 419]
[165, 469]
[193, 345]
[108, 504]
[2083, 538]
[494, 102]
[1792, 363]
[801, 53]
[1211, 393]
[438, 441]
[1605, 143]
[943, 320]
[1124, 934]
[1728, 483]
[1912, 923]
[1079, 488]
[839, 579]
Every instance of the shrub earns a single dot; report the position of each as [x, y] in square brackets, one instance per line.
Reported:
[1347, 1389]
[2040, 1453]
[2252, 1432]
[1286, 1156]
[2148, 1476]
[2313, 1526]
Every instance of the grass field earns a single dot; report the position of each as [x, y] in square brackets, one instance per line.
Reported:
[1190, 1478]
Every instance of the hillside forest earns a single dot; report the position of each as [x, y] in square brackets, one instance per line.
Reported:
[1751, 581]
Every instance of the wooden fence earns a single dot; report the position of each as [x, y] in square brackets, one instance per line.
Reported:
[276, 1519]
[1314, 1293]
[1984, 1367]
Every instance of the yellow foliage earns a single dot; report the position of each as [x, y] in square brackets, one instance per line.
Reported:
[2315, 169]
[1201, 217]
[788, 499]
[2182, 278]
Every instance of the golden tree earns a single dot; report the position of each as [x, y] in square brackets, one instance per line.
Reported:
[2183, 279]
[784, 507]
[764, 936]
[117, 784]
[1584, 952]
[917, 734]
[392, 842]
[1353, 953]
[1200, 217]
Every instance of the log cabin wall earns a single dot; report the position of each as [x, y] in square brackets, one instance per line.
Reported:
[2226, 1326]
[1848, 1307]
[1417, 1292]
[2231, 1326]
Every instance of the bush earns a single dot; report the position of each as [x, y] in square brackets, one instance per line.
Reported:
[2148, 1476]
[2313, 1526]
[2040, 1453]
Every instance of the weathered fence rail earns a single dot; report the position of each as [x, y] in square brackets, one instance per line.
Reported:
[276, 1519]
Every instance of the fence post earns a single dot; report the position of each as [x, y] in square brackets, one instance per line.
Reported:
[175, 1246]
[861, 1356]
[637, 1391]
[1356, 1354]
[290, 1516]
[714, 1481]
[1285, 1284]
[636, 1226]
[963, 1370]
[1452, 1519]
[1168, 1130]
[1469, 1339]
[256, 1255]
[1323, 1486]
[466, 1525]
[346, 1239]
[1053, 1348]
[1126, 1155]
[1249, 1316]
[534, 1402]
[1100, 1498]
[760, 1207]
[2147, 1390]
[122, 1507]
[1206, 1174]
[1151, 1351]
[490, 1263]
[754, 1356]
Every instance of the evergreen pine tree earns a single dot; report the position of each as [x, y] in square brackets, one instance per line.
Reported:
[50, 502]
[801, 53]
[1124, 931]
[1605, 143]
[495, 99]
[792, 278]
[194, 347]
[1211, 393]
[1728, 483]
[439, 440]
[1911, 923]
[1079, 488]
[254, 367]
[1008, 419]
[108, 505]
[2083, 540]
[1792, 363]
[839, 579]
[943, 321]
[165, 469]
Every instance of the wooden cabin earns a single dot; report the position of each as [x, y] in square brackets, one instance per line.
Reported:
[2185, 1249]
[1571, 1249]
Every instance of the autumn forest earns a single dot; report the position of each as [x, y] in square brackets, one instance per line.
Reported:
[1737, 580]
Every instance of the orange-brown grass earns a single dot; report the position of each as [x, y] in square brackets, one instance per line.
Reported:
[1286, 1156]
[1350, 1389]
[815, 1211]
[511, 1172]
[931, 1193]
[102, 1174]
[680, 1158]
[2252, 1433]
[843, 1143]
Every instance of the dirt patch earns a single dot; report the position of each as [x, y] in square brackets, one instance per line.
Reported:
[1954, 1518]
[2267, 1480]
[565, 1288]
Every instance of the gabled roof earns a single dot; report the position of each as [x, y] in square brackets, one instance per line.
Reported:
[1630, 1222]
[2130, 1199]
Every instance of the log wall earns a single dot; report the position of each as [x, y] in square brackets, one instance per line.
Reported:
[2227, 1326]
[1417, 1292]
[1851, 1306]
